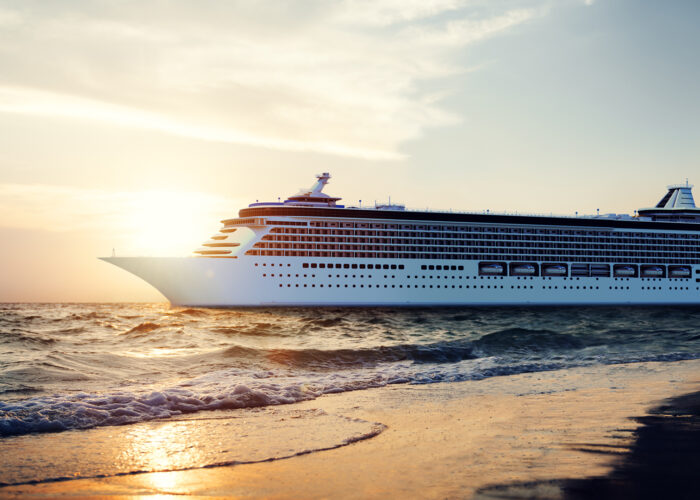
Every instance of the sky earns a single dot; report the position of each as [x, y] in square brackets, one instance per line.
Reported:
[136, 126]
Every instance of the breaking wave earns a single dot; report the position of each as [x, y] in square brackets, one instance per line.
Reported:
[69, 368]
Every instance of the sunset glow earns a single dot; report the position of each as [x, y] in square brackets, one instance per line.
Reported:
[139, 128]
[170, 223]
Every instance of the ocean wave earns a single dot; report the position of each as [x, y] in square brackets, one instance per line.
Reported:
[236, 389]
[146, 327]
[190, 312]
[523, 338]
[83, 411]
[86, 316]
[330, 359]
[447, 351]
[254, 329]
[17, 335]
[325, 322]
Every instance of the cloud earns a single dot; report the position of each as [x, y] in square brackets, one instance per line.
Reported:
[461, 32]
[388, 12]
[25, 101]
[340, 77]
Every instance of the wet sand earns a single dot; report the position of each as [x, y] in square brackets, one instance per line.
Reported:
[521, 435]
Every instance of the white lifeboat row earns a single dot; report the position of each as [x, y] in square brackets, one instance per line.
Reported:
[586, 270]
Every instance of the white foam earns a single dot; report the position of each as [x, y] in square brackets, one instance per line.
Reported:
[235, 388]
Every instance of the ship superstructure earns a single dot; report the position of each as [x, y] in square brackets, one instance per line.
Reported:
[309, 250]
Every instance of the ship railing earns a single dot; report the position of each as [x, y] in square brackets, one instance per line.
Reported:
[518, 213]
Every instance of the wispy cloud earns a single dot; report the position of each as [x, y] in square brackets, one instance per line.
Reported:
[29, 101]
[342, 77]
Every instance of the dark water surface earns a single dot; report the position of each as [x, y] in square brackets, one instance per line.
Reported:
[75, 366]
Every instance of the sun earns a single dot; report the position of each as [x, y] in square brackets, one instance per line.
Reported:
[170, 223]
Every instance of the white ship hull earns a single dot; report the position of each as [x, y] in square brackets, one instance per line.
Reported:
[191, 281]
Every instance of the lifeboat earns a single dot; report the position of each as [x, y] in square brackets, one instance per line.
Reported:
[554, 270]
[600, 270]
[679, 272]
[491, 269]
[625, 271]
[523, 269]
[652, 271]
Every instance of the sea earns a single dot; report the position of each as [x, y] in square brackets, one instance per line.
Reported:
[82, 366]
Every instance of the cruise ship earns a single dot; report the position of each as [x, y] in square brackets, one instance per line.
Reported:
[311, 251]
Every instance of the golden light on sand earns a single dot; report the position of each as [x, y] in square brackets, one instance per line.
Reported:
[163, 481]
[170, 446]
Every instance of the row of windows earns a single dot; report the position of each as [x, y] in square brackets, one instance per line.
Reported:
[431, 277]
[478, 229]
[603, 237]
[566, 256]
[571, 256]
[284, 223]
[487, 232]
[239, 222]
[485, 246]
[322, 265]
[490, 247]
[494, 287]
[613, 243]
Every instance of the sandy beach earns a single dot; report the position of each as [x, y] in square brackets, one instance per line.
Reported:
[450, 440]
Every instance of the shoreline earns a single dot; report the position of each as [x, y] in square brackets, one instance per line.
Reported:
[446, 440]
